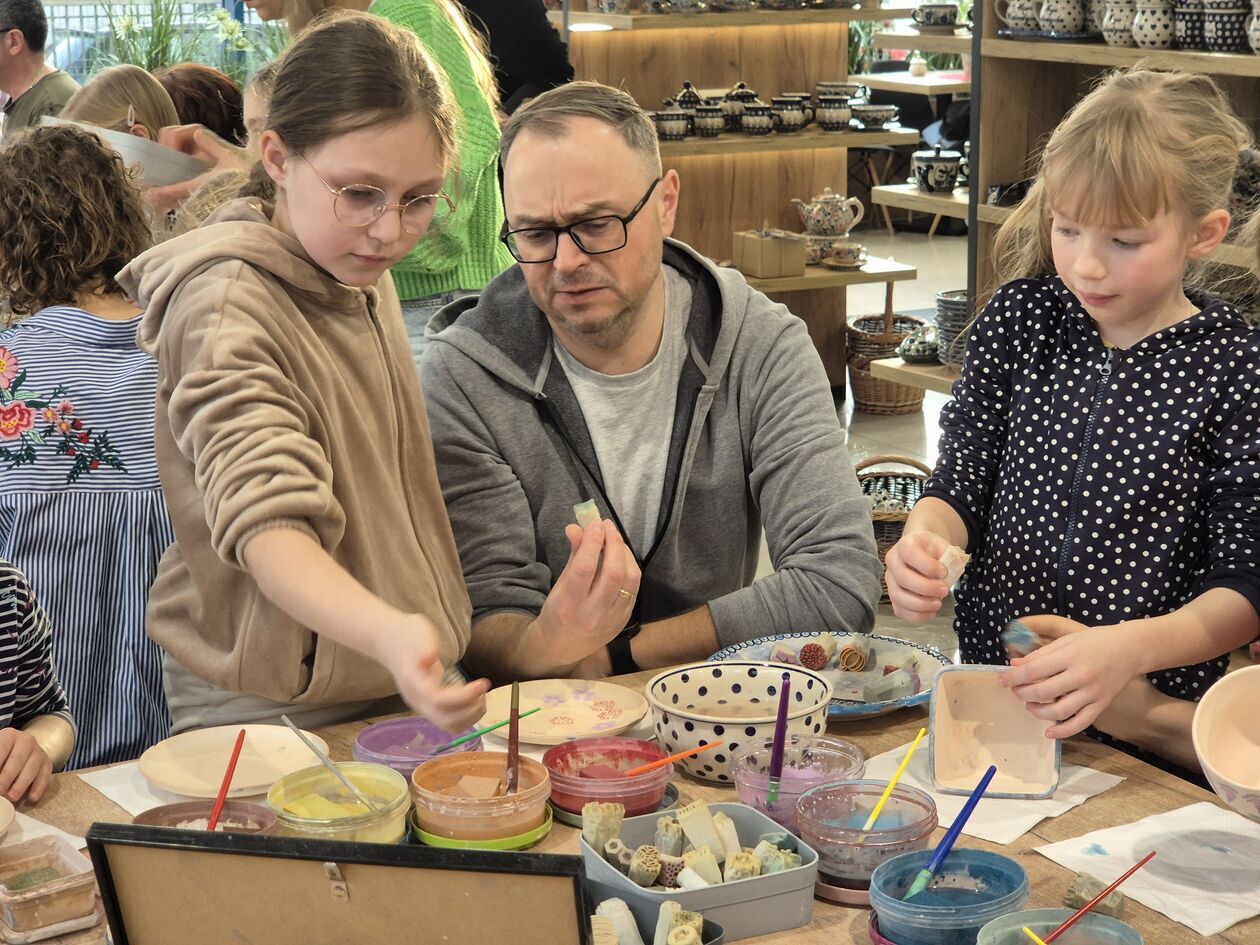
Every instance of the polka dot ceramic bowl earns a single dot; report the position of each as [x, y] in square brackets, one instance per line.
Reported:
[1226, 735]
[734, 701]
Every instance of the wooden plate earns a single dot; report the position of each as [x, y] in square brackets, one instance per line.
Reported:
[192, 764]
[571, 708]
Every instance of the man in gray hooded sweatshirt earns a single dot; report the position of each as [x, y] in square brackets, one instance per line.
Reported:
[618, 365]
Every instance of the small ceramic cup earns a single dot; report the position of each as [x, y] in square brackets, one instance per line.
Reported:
[671, 126]
[935, 14]
[834, 113]
[847, 253]
[758, 120]
[876, 116]
[709, 121]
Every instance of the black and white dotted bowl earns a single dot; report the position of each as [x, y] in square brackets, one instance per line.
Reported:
[733, 702]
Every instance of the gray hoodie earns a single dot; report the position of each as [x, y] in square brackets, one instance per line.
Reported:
[756, 444]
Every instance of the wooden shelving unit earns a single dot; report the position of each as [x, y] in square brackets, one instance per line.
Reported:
[819, 277]
[957, 43]
[691, 21]
[934, 83]
[910, 197]
[1100, 54]
[810, 138]
[937, 377]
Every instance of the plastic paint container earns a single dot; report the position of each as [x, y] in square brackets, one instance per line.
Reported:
[236, 817]
[478, 818]
[641, 794]
[1090, 929]
[831, 820]
[313, 803]
[402, 744]
[44, 882]
[973, 888]
[808, 761]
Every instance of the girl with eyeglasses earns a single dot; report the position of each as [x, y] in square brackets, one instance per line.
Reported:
[314, 572]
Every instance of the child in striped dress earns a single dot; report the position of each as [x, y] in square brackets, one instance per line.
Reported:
[37, 733]
[81, 508]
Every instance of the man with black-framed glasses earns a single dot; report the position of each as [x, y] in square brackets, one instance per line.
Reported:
[31, 87]
[615, 364]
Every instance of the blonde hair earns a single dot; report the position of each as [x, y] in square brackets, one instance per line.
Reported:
[1140, 144]
[120, 94]
[299, 14]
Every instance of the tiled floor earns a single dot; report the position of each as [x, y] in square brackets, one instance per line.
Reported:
[941, 262]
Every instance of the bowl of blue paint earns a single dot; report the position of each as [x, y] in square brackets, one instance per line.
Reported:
[971, 889]
[1090, 929]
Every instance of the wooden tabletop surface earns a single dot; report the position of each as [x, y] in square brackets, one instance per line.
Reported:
[73, 806]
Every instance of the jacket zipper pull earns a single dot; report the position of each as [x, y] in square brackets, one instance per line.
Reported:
[1105, 369]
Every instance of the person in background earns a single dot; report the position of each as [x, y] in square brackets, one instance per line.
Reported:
[257, 98]
[38, 730]
[81, 509]
[123, 98]
[618, 365]
[462, 252]
[528, 54]
[31, 87]
[205, 96]
[314, 572]
[1101, 456]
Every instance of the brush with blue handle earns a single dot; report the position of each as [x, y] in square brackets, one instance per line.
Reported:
[947, 841]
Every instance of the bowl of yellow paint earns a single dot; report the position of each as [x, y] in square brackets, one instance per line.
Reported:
[313, 803]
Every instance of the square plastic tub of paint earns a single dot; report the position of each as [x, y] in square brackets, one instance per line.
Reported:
[971, 889]
[744, 908]
[832, 817]
[1090, 929]
[44, 882]
[570, 791]
[977, 723]
[808, 760]
[313, 803]
[479, 810]
[63, 932]
[403, 744]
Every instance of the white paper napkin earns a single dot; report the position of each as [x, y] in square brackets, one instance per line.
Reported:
[126, 787]
[28, 828]
[997, 819]
[1206, 872]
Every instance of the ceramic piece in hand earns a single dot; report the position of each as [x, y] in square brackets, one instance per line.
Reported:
[1226, 736]
[159, 166]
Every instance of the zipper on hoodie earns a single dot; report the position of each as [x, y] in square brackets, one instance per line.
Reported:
[1087, 442]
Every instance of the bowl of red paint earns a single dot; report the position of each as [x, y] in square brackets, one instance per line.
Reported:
[593, 769]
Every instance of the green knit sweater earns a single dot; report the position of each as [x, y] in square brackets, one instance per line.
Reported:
[462, 251]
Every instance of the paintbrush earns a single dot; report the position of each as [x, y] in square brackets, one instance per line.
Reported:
[514, 741]
[330, 765]
[1097, 899]
[947, 842]
[776, 749]
[870, 821]
[482, 731]
[227, 783]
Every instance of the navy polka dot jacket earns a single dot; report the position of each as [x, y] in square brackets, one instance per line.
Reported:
[1101, 484]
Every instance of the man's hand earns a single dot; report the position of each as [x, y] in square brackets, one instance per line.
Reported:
[915, 575]
[1074, 677]
[25, 769]
[409, 651]
[593, 598]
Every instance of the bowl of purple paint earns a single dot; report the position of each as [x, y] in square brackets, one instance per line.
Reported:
[404, 744]
[808, 761]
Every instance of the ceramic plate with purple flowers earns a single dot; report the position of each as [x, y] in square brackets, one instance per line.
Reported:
[571, 708]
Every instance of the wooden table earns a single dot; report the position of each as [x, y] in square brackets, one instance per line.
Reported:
[935, 377]
[72, 805]
[932, 84]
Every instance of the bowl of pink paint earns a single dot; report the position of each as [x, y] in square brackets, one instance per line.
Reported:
[808, 761]
[590, 770]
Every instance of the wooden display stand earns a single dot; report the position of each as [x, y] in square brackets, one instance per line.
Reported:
[739, 182]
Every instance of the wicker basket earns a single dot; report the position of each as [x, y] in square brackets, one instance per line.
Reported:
[876, 336]
[906, 486]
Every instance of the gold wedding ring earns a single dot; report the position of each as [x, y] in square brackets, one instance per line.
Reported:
[624, 594]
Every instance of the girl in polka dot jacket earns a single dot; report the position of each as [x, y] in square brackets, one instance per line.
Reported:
[1101, 457]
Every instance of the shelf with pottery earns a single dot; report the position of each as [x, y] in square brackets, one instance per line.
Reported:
[933, 83]
[681, 21]
[874, 270]
[934, 377]
[807, 139]
[1244, 64]
[957, 43]
[911, 197]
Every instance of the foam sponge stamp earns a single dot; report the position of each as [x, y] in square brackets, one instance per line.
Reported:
[1019, 639]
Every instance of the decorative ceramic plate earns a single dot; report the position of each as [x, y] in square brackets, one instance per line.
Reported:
[1059, 36]
[571, 708]
[843, 267]
[192, 764]
[8, 814]
[846, 701]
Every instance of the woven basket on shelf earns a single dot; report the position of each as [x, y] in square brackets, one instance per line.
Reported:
[903, 485]
[871, 337]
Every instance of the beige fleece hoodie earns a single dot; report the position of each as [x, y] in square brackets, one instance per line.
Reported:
[286, 400]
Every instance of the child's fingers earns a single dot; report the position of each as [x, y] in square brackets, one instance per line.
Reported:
[40, 785]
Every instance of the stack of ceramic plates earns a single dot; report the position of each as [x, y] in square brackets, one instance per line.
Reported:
[953, 318]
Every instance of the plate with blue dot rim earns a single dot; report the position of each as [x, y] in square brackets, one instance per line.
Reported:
[885, 651]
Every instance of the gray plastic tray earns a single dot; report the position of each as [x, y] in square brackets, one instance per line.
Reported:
[744, 908]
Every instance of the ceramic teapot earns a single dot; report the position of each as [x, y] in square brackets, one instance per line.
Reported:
[688, 98]
[830, 213]
[733, 104]
[936, 171]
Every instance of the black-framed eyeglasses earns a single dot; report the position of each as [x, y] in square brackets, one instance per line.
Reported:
[594, 236]
[363, 204]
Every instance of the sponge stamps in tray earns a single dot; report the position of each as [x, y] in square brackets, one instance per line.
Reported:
[871, 674]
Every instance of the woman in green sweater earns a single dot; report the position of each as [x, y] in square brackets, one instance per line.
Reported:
[462, 251]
